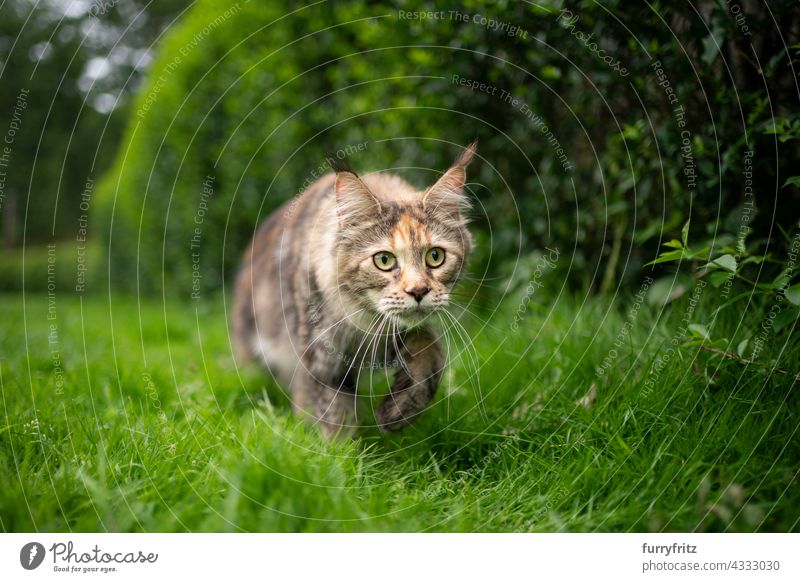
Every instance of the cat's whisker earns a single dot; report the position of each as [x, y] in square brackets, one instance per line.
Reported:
[450, 330]
[469, 345]
[370, 349]
[373, 322]
[386, 349]
[397, 350]
[466, 311]
[381, 336]
[473, 358]
[366, 350]
[372, 342]
[326, 330]
[446, 336]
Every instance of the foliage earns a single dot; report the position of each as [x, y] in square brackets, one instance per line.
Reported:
[760, 267]
[55, 265]
[258, 96]
[66, 72]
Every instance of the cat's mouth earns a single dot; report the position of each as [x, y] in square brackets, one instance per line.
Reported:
[408, 313]
[411, 316]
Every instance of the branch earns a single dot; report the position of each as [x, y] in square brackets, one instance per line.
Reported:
[741, 360]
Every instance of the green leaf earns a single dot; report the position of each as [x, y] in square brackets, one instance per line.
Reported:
[785, 318]
[699, 331]
[793, 181]
[726, 262]
[757, 259]
[657, 227]
[685, 233]
[718, 278]
[665, 290]
[792, 294]
[781, 280]
[742, 347]
[669, 257]
[674, 244]
[551, 72]
[710, 48]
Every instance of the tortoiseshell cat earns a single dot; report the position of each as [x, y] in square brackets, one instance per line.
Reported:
[354, 266]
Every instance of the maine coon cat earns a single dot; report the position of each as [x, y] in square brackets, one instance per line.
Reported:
[352, 270]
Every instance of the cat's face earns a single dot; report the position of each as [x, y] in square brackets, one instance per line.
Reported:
[401, 257]
[412, 263]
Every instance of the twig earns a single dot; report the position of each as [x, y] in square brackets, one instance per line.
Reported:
[740, 359]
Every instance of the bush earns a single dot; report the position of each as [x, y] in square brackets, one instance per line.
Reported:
[602, 154]
[62, 266]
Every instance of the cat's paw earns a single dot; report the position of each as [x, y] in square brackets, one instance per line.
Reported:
[391, 417]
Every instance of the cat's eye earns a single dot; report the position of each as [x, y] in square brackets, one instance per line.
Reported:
[384, 261]
[434, 257]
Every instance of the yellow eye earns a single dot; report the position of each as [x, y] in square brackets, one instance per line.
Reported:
[434, 257]
[384, 261]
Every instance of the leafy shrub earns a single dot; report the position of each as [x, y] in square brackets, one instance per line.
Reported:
[53, 267]
[250, 98]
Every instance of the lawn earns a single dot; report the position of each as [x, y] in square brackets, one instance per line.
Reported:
[131, 416]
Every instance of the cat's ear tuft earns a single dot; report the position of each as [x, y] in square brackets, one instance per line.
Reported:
[446, 197]
[339, 165]
[354, 201]
[466, 156]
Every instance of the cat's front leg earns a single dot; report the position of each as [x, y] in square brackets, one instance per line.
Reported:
[327, 405]
[421, 364]
[323, 395]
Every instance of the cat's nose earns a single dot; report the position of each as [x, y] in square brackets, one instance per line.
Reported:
[418, 292]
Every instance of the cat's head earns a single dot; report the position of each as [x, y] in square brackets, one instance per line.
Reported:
[401, 251]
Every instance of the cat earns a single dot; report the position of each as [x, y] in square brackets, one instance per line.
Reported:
[353, 268]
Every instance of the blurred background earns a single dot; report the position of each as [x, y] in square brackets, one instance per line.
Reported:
[597, 141]
[69, 72]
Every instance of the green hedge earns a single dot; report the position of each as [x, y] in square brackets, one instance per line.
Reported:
[61, 267]
[246, 100]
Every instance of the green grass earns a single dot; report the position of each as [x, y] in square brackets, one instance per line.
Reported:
[155, 429]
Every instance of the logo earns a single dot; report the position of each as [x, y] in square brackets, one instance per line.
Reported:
[31, 555]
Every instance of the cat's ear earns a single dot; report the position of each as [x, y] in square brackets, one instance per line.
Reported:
[446, 197]
[354, 201]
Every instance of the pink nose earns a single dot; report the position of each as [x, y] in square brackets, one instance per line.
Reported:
[418, 292]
